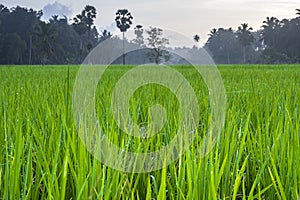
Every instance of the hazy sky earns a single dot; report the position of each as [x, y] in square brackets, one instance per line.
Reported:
[187, 17]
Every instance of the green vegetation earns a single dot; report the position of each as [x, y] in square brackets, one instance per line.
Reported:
[256, 157]
[26, 39]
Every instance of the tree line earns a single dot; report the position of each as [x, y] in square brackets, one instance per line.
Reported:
[26, 39]
[277, 41]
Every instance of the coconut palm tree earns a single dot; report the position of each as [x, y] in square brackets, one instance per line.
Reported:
[213, 32]
[83, 26]
[123, 21]
[245, 37]
[196, 38]
[268, 30]
[105, 34]
[298, 12]
[46, 35]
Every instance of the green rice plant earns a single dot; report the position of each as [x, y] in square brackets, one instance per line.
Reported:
[257, 155]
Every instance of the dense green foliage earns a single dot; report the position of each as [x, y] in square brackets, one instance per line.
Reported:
[26, 39]
[256, 157]
[278, 41]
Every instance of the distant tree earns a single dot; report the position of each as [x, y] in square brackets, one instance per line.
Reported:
[245, 37]
[83, 26]
[54, 19]
[298, 12]
[196, 38]
[212, 32]
[67, 42]
[123, 22]
[287, 45]
[14, 47]
[282, 40]
[268, 32]
[4, 11]
[157, 43]
[105, 34]
[138, 31]
[224, 46]
[46, 35]
[87, 17]
[20, 21]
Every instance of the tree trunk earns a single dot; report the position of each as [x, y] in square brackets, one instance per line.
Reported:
[157, 55]
[228, 58]
[80, 49]
[157, 60]
[30, 49]
[244, 54]
[123, 48]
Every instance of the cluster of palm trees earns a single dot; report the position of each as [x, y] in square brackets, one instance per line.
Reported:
[282, 39]
[278, 41]
[227, 45]
[34, 41]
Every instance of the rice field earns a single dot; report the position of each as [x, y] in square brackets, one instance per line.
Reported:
[257, 155]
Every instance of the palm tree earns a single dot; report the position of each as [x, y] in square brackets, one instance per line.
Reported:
[54, 19]
[196, 38]
[213, 32]
[105, 34]
[89, 14]
[245, 37]
[268, 30]
[270, 22]
[83, 24]
[298, 12]
[46, 34]
[123, 21]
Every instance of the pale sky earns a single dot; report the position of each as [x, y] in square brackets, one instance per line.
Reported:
[186, 17]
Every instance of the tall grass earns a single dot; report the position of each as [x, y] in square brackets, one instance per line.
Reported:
[256, 157]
